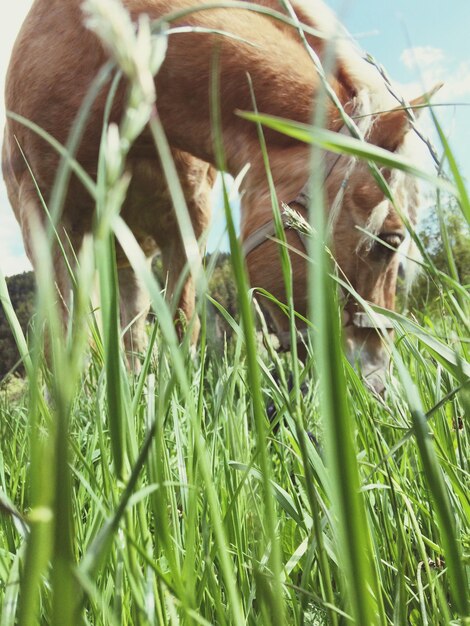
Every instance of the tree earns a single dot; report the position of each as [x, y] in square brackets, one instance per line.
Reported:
[446, 238]
[22, 289]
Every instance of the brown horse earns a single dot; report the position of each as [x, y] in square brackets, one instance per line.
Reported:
[54, 61]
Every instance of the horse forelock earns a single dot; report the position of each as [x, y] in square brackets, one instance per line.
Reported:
[406, 193]
[404, 188]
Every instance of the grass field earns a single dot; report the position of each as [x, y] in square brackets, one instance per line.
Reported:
[169, 498]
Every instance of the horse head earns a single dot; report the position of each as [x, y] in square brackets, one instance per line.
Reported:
[367, 233]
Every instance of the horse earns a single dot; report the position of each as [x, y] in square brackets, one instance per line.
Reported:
[54, 61]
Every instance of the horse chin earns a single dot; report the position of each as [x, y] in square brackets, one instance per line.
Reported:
[368, 356]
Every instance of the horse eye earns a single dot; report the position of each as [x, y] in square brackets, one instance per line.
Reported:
[392, 239]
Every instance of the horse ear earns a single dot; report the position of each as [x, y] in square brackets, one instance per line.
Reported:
[418, 104]
[391, 127]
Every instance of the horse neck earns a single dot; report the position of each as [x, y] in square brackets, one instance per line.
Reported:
[281, 72]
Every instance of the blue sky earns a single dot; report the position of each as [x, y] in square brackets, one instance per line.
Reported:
[404, 23]
[419, 42]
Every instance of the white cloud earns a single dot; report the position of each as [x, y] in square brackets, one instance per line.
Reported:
[432, 65]
[421, 57]
[458, 82]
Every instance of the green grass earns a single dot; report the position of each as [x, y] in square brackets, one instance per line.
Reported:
[190, 506]
[168, 498]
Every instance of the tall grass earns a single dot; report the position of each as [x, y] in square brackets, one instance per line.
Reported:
[168, 497]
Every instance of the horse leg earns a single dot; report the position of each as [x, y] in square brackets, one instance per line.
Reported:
[180, 293]
[197, 179]
[63, 250]
[134, 306]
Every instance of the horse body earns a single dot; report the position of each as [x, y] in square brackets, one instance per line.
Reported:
[56, 58]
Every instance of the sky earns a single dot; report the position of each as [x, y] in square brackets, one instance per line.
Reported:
[419, 42]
